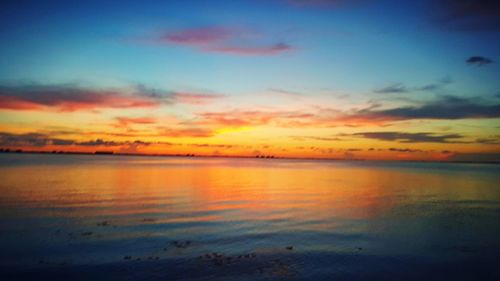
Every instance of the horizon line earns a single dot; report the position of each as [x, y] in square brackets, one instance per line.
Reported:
[267, 157]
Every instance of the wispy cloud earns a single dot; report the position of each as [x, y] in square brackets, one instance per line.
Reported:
[393, 89]
[198, 36]
[286, 92]
[195, 98]
[400, 88]
[186, 132]
[224, 40]
[241, 118]
[127, 121]
[317, 138]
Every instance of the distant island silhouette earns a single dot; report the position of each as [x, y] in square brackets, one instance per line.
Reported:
[270, 157]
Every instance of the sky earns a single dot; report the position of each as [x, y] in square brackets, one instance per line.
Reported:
[359, 79]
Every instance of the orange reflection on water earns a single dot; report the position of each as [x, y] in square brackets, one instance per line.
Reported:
[197, 190]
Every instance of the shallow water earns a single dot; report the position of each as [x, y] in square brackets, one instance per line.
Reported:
[84, 217]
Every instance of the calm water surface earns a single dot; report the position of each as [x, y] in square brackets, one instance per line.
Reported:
[70, 217]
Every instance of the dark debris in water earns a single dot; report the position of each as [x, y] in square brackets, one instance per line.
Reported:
[103, 223]
[150, 258]
[253, 262]
[220, 259]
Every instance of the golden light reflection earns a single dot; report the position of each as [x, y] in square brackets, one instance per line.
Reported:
[197, 190]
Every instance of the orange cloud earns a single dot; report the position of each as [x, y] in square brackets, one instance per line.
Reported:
[186, 132]
[126, 121]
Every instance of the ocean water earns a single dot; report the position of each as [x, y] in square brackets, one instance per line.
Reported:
[85, 217]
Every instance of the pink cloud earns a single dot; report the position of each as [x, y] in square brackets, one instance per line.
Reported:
[224, 40]
[198, 36]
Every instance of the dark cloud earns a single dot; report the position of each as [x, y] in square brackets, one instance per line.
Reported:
[62, 142]
[489, 140]
[209, 145]
[405, 150]
[73, 98]
[99, 142]
[31, 139]
[41, 139]
[467, 15]
[479, 61]
[443, 108]
[447, 107]
[412, 137]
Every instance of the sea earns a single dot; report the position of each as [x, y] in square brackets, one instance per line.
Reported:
[110, 217]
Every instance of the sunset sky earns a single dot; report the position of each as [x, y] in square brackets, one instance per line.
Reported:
[359, 79]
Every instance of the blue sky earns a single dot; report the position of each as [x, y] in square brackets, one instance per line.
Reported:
[354, 47]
